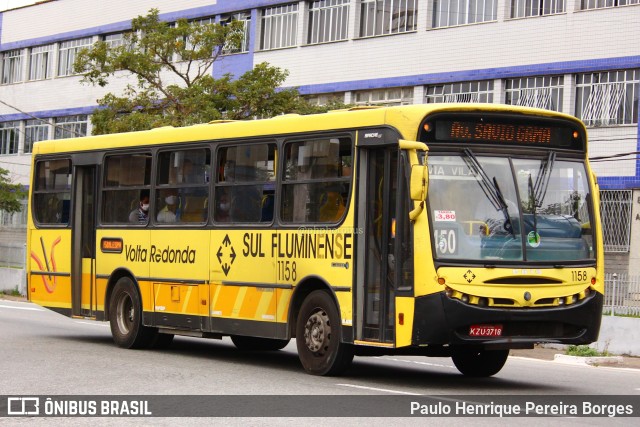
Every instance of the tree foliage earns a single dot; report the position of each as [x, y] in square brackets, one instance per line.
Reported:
[10, 194]
[174, 85]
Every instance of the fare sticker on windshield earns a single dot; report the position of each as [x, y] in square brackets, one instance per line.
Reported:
[445, 215]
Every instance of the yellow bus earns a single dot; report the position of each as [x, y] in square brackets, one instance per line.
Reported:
[450, 230]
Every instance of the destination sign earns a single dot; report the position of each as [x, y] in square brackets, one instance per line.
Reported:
[499, 130]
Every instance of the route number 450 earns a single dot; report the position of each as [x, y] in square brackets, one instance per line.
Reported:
[446, 241]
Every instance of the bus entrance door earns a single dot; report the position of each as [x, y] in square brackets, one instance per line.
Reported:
[375, 259]
[83, 293]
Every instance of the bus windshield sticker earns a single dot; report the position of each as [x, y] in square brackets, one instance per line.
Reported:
[444, 215]
[446, 241]
[533, 239]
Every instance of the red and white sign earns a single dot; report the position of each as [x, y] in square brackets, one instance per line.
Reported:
[485, 330]
[445, 215]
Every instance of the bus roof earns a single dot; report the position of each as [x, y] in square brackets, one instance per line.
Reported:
[406, 119]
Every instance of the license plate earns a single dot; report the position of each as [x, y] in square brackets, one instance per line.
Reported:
[485, 330]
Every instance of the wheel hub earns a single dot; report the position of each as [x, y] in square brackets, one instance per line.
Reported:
[317, 332]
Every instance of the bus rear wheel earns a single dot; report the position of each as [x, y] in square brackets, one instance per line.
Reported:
[257, 343]
[474, 362]
[125, 317]
[319, 336]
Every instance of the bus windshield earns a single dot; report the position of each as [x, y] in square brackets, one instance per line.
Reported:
[487, 208]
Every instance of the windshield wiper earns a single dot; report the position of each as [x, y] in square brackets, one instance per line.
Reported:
[533, 204]
[490, 187]
[542, 181]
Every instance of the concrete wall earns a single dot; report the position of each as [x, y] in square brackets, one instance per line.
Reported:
[619, 335]
[12, 278]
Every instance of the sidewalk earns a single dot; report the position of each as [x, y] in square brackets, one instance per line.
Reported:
[543, 353]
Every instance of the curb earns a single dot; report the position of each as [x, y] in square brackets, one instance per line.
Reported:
[587, 361]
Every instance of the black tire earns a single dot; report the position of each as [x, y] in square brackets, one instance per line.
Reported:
[474, 362]
[125, 317]
[258, 344]
[319, 336]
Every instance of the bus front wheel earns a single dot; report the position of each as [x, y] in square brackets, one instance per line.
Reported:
[319, 336]
[125, 317]
[474, 362]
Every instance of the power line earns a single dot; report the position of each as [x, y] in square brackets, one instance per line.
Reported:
[41, 120]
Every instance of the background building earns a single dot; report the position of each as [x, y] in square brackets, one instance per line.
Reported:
[580, 57]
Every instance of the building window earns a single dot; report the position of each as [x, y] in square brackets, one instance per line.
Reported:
[379, 17]
[67, 54]
[12, 66]
[608, 98]
[41, 62]
[279, 26]
[615, 211]
[448, 13]
[245, 19]
[385, 97]
[480, 91]
[599, 4]
[325, 98]
[34, 131]
[328, 21]
[113, 40]
[524, 8]
[540, 92]
[70, 126]
[9, 132]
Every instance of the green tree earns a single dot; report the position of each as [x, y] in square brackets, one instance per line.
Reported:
[174, 86]
[10, 194]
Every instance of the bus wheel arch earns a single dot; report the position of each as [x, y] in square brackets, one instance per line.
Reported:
[124, 311]
[300, 292]
[318, 330]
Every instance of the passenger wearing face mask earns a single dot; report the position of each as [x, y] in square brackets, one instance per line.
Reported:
[222, 208]
[168, 213]
[141, 214]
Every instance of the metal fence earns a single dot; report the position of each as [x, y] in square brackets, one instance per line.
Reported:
[12, 255]
[622, 294]
[615, 210]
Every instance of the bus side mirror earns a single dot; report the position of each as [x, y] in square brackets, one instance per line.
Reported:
[419, 183]
[419, 179]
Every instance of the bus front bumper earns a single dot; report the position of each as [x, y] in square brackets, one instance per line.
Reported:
[440, 320]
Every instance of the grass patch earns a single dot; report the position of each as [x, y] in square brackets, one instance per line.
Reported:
[584, 351]
[12, 293]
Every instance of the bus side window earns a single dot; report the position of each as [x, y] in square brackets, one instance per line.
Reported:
[52, 192]
[317, 180]
[126, 177]
[244, 185]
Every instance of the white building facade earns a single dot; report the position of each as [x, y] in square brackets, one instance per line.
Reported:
[580, 57]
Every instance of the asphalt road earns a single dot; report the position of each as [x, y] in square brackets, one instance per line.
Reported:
[43, 353]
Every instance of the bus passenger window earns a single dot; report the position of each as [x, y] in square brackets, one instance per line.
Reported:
[245, 183]
[52, 192]
[317, 180]
[182, 185]
[127, 178]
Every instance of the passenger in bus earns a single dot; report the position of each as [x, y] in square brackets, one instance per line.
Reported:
[140, 215]
[222, 207]
[168, 213]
